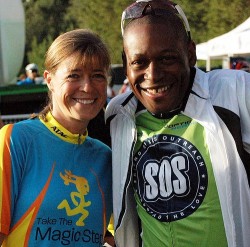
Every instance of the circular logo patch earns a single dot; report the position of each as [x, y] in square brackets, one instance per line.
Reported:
[170, 177]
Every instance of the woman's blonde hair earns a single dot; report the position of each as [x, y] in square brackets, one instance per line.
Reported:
[87, 47]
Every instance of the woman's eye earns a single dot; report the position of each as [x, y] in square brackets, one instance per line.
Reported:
[73, 77]
[99, 76]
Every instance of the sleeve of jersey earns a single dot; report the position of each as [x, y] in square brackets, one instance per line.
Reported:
[243, 93]
[5, 178]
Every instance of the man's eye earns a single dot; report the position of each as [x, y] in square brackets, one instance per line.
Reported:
[167, 59]
[138, 64]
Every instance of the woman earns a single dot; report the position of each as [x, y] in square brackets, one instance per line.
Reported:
[55, 180]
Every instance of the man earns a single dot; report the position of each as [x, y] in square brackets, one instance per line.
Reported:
[32, 75]
[180, 139]
[241, 65]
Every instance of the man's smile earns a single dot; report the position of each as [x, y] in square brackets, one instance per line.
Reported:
[158, 90]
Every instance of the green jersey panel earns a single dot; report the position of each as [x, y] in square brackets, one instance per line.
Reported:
[175, 189]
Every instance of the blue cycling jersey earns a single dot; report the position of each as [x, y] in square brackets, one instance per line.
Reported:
[55, 186]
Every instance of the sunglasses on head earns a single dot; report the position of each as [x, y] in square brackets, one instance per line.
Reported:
[33, 70]
[140, 9]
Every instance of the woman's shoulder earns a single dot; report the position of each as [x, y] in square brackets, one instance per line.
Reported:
[24, 129]
[98, 145]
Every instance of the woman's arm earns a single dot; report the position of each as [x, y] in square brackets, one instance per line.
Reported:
[1, 123]
[2, 236]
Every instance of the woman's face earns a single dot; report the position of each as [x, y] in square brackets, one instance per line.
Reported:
[78, 93]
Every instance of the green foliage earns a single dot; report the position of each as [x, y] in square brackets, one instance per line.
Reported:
[44, 22]
[102, 17]
[46, 19]
[210, 18]
[37, 52]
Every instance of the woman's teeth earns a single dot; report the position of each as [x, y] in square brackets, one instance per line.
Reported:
[84, 101]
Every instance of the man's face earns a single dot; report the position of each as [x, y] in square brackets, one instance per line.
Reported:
[158, 65]
[32, 73]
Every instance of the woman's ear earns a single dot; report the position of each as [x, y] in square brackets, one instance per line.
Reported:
[48, 79]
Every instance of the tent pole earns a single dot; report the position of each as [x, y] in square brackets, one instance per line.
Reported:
[208, 64]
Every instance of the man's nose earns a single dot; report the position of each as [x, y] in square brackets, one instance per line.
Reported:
[152, 72]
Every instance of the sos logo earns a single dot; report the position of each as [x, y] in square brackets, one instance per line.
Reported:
[170, 177]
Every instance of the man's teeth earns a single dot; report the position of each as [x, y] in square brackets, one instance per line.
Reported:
[84, 101]
[158, 90]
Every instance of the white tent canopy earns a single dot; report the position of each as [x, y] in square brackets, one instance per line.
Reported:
[12, 40]
[232, 44]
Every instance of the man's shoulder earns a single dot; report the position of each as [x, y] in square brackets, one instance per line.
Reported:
[227, 87]
[227, 75]
[221, 79]
[125, 100]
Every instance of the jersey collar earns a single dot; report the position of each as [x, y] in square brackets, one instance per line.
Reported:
[58, 130]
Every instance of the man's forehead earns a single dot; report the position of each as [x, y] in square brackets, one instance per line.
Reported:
[148, 22]
[168, 28]
[150, 40]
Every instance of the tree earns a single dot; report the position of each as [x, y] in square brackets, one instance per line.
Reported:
[44, 22]
[46, 19]
[102, 17]
[37, 52]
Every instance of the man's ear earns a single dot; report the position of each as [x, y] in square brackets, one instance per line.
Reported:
[48, 79]
[124, 61]
[192, 53]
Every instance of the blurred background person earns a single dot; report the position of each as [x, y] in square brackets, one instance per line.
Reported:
[241, 65]
[125, 87]
[110, 91]
[32, 75]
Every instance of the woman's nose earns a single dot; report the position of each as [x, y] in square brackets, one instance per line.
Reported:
[85, 83]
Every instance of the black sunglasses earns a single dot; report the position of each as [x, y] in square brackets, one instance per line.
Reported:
[34, 70]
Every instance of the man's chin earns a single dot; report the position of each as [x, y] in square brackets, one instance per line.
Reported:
[156, 107]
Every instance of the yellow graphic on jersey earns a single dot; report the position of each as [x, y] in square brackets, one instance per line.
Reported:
[82, 187]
